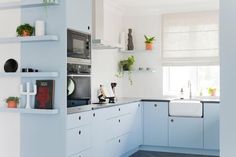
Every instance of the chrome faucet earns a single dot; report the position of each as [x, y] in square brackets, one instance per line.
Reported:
[190, 89]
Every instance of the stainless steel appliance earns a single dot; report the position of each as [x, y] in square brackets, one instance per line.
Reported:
[78, 85]
[78, 45]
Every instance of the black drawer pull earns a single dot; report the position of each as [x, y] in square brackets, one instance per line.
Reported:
[155, 105]
[119, 141]
[139, 105]
[172, 120]
[80, 132]
[94, 114]
[79, 117]
[119, 120]
[119, 109]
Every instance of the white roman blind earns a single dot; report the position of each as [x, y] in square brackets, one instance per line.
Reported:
[191, 38]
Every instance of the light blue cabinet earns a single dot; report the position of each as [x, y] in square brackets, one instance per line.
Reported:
[79, 15]
[155, 123]
[211, 126]
[186, 132]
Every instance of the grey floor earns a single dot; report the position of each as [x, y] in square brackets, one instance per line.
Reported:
[158, 154]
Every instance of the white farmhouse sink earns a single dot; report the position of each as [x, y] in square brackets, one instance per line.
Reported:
[186, 108]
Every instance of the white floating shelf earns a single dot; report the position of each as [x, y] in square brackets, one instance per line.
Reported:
[29, 111]
[30, 74]
[142, 71]
[138, 51]
[26, 4]
[29, 39]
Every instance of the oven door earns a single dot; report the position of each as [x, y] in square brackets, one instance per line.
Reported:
[78, 91]
[78, 45]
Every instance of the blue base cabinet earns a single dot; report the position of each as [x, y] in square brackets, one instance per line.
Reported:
[155, 122]
[186, 132]
[211, 126]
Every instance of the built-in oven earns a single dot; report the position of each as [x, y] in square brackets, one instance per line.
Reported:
[78, 45]
[78, 85]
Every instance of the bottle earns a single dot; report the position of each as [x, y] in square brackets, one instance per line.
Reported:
[182, 93]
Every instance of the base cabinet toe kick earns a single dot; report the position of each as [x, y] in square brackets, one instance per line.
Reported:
[121, 130]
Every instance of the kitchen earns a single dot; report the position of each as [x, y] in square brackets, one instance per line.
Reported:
[143, 95]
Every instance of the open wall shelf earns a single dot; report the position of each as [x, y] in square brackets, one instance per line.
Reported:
[26, 4]
[138, 51]
[29, 111]
[28, 39]
[30, 74]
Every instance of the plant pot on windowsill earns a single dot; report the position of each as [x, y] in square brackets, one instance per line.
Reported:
[12, 102]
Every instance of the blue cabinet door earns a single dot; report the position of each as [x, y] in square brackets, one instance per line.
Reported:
[186, 132]
[79, 15]
[155, 123]
[211, 126]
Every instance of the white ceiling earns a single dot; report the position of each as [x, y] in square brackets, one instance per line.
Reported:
[167, 4]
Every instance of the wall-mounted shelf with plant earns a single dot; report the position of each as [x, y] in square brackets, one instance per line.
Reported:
[126, 66]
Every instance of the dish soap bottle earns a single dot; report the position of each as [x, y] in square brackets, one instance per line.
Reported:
[182, 93]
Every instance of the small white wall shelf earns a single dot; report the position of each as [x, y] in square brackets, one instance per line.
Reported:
[30, 74]
[28, 39]
[138, 51]
[25, 4]
[29, 111]
[142, 71]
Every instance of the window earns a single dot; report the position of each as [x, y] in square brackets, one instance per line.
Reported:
[190, 52]
[201, 77]
[191, 38]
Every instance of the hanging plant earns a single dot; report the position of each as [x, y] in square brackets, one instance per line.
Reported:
[126, 66]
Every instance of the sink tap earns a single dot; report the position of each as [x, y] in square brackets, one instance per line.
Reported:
[190, 89]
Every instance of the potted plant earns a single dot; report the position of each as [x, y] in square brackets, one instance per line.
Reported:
[149, 42]
[25, 30]
[12, 102]
[126, 65]
[212, 91]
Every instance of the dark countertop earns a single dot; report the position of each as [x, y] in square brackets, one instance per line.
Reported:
[122, 101]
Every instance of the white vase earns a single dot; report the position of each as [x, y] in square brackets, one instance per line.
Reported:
[39, 28]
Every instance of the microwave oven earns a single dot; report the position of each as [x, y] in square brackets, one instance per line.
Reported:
[78, 45]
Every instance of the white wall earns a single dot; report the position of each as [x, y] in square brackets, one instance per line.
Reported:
[9, 123]
[228, 77]
[145, 85]
[105, 62]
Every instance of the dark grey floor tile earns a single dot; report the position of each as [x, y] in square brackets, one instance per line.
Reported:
[161, 154]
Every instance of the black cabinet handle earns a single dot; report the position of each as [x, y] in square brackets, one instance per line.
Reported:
[119, 120]
[172, 120]
[94, 114]
[139, 105]
[88, 27]
[119, 141]
[80, 132]
[79, 117]
[119, 109]
[155, 105]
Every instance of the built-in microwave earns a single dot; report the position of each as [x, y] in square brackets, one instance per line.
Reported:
[78, 45]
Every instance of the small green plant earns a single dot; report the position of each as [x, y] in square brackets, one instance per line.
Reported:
[126, 65]
[15, 99]
[25, 30]
[212, 91]
[149, 40]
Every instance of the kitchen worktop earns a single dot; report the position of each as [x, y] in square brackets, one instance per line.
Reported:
[121, 101]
